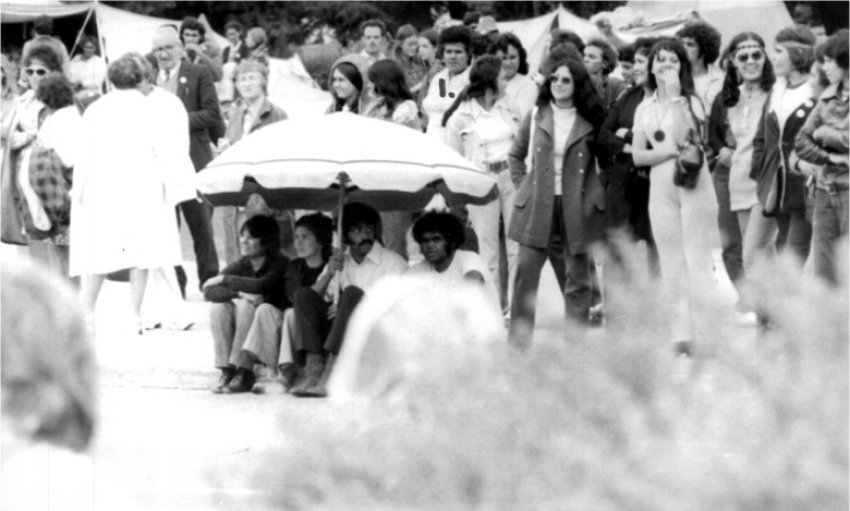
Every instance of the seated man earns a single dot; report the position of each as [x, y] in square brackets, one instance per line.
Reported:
[439, 236]
[239, 295]
[320, 325]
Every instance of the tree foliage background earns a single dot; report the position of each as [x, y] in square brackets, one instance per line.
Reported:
[294, 22]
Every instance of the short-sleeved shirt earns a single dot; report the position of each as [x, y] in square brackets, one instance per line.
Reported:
[463, 263]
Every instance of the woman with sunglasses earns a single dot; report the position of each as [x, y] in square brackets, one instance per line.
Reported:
[682, 218]
[19, 136]
[560, 196]
[781, 189]
[393, 102]
[735, 120]
[482, 125]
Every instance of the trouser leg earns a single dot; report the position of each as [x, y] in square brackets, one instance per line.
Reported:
[348, 301]
[530, 261]
[731, 239]
[263, 338]
[244, 318]
[311, 321]
[485, 223]
[199, 219]
[223, 326]
[578, 295]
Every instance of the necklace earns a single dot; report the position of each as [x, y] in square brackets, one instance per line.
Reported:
[659, 134]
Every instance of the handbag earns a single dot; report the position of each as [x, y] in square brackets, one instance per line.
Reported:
[691, 157]
[51, 181]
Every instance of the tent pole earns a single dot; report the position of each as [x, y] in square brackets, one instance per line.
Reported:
[82, 29]
[343, 183]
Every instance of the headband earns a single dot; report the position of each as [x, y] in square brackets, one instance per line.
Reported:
[748, 45]
[795, 44]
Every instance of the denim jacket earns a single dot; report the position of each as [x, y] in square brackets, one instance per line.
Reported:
[825, 133]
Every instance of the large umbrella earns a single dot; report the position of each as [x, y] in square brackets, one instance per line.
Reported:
[312, 163]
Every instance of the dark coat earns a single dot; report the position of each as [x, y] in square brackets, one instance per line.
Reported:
[582, 194]
[196, 90]
[778, 189]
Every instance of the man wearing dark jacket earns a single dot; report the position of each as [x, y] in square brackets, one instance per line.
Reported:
[194, 86]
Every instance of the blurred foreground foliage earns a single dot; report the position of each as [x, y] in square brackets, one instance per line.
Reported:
[753, 422]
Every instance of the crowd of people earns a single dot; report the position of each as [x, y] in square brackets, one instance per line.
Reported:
[671, 140]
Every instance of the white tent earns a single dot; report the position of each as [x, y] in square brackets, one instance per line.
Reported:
[764, 17]
[290, 86]
[533, 33]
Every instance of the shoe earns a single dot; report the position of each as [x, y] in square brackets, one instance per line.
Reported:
[312, 374]
[223, 380]
[243, 382]
[320, 388]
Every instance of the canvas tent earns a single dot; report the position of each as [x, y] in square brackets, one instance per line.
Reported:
[765, 17]
[290, 86]
[533, 33]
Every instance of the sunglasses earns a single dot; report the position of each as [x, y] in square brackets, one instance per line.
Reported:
[36, 71]
[563, 80]
[755, 56]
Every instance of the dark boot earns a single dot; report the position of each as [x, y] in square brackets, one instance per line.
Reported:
[242, 382]
[320, 388]
[224, 378]
[312, 374]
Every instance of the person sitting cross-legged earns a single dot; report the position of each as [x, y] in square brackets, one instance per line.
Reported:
[440, 235]
[319, 325]
[239, 295]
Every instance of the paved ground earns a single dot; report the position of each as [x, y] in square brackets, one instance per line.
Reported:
[163, 438]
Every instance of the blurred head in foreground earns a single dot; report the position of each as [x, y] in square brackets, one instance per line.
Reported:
[48, 368]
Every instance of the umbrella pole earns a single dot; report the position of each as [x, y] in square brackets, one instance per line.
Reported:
[343, 183]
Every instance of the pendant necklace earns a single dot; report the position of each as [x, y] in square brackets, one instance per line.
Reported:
[659, 134]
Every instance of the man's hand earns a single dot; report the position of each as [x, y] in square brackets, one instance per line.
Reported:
[622, 132]
[336, 263]
[213, 281]
[724, 157]
[252, 298]
[332, 308]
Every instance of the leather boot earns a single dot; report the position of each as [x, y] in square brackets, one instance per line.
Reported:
[320, 388]
[312, 374]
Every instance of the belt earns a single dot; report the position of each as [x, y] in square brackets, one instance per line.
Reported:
[496, 167]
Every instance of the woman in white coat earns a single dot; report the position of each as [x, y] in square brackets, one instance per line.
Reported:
[132, 168]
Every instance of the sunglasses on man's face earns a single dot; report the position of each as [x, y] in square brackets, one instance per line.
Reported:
[40, 71]
[755, 56]
[563, 80]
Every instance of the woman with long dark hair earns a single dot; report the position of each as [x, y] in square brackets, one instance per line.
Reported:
[735, 120]
[560, 196]
[346, 82]
[683, 219]
[406, 53]
[482, 126]
[516, 83]
[394, 103]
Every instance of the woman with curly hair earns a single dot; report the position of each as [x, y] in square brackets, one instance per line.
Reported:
[735, 120]
[560, 196]
[682, 218]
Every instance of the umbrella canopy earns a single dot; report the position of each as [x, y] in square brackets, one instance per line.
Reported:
[307, 163]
